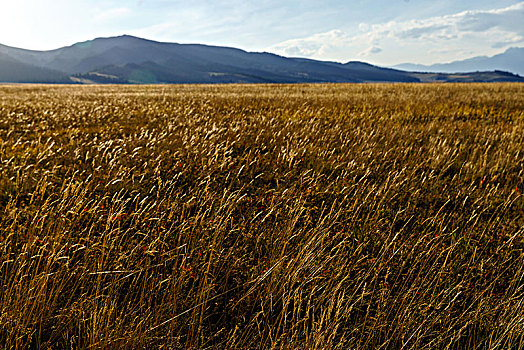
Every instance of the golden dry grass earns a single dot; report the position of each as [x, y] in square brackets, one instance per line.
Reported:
[283, 217]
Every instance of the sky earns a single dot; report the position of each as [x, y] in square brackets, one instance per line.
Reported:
[385, 32]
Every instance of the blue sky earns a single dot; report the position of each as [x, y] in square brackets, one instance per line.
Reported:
[383, 32]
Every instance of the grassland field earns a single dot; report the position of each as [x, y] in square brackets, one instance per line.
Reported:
[371, 216]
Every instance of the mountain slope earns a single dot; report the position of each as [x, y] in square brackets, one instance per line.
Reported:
[128, 59]
[512, 60]
[13, 71]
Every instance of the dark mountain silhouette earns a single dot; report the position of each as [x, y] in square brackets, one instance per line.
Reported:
[128, 59]
[512, 60]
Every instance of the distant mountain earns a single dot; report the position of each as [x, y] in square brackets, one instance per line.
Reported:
[128, 59]
[512, 60]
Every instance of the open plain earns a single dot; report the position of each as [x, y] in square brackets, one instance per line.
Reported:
[360, 216]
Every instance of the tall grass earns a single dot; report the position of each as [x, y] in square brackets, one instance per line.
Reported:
[271, 217]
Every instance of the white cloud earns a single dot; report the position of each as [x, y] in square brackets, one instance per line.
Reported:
[370, 51]
[364, 27]
[315, 45]
[478, 32]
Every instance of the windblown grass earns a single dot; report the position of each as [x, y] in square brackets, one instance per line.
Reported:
[304, 216]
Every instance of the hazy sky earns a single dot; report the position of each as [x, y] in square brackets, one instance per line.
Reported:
[384, 32]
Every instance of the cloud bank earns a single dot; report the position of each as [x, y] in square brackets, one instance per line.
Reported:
[448, 37]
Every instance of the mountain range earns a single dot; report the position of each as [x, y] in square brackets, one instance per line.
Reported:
[128, 59]
[512, 60]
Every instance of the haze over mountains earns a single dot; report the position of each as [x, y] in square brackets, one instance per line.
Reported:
[512, 60]
[128, 59]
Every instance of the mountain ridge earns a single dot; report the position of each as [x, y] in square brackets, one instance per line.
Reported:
[128, 59]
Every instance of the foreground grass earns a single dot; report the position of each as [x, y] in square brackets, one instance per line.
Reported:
[306, 216]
